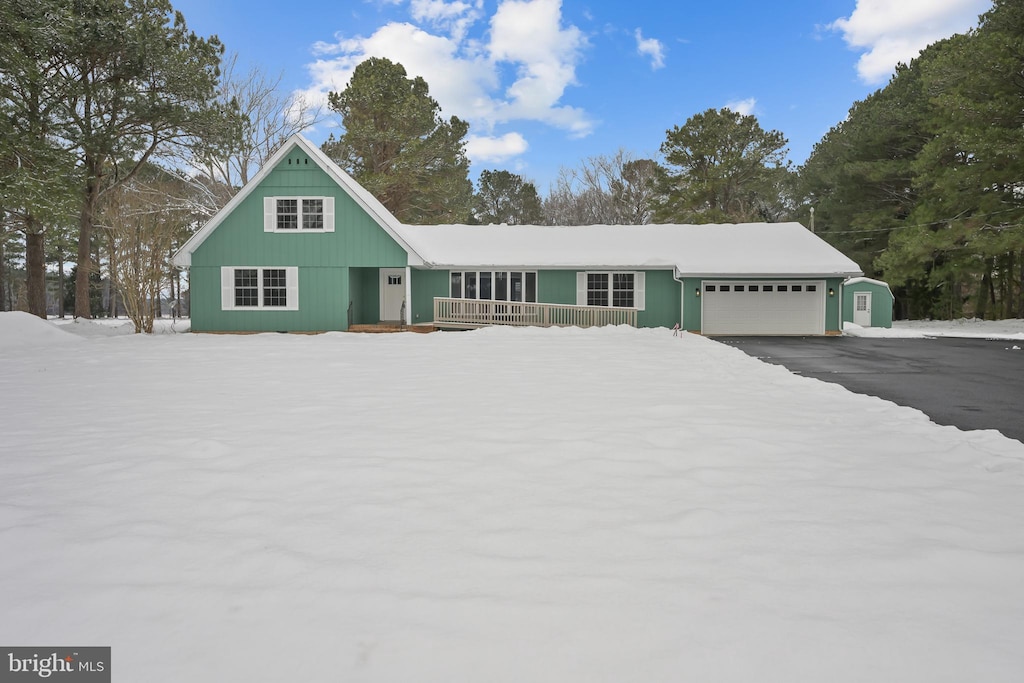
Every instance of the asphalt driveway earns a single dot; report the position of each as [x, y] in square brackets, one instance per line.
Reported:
[968, 383]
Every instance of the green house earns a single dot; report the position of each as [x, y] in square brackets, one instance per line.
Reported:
[867, 302]
[304, 248]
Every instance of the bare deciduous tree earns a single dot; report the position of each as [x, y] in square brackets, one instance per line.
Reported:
[613, 190]
[143, 221]
[267, 118]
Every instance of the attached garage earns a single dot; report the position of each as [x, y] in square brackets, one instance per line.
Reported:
[772, 307]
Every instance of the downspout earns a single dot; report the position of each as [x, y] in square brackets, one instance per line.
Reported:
[682, 297]
[840, 316]
[408, 296]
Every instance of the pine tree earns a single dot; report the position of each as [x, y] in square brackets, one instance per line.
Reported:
[399, 148]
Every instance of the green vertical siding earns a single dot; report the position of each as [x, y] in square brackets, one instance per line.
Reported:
[833, 323]
[323, 259]
[557, 287]
[323, 298]
[691, 304]
[364, 295]
[427, 284]
[662, 307]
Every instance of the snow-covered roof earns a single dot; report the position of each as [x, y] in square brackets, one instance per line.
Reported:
[749, 249]
[868, 280]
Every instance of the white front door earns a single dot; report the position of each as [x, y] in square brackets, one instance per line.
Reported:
[392, 293]
[862, 309]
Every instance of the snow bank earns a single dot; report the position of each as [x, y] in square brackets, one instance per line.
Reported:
[96, 328]
[964, 328]
[19, 330]
[501, 505]
[117, 327]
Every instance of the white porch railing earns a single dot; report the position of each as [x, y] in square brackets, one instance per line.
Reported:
[475, 313]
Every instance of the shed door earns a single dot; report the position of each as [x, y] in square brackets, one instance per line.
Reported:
[392, 293]
[862, 309]
[752, 307]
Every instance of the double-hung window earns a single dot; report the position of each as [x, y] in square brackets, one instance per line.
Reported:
[611, 289]
[298, 214]
[250, 288]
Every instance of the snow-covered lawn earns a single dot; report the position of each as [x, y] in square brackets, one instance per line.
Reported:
[499, 505]
[964, 327]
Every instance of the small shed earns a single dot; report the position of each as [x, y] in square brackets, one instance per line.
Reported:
[867, 302]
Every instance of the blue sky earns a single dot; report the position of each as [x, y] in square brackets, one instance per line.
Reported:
[547, 83]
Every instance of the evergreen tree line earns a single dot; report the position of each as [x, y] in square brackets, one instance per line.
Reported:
[923, 183]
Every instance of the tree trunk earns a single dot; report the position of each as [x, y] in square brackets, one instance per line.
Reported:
[60, 278]
[112, 279]
[85, 264]
[1020, 301]
[3, 273]
[981, 306]
[35, 268]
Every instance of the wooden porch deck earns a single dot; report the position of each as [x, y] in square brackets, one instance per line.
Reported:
[471, 313]
[384, 328]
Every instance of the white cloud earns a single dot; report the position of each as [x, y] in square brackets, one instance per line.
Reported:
[455, 17]
[743, 107]
[460, 84]
[651, 47]
[892, 32]
[529, 35]
[527, 38]
[484, 148]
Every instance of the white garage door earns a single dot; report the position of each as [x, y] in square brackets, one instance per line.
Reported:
[762, 307]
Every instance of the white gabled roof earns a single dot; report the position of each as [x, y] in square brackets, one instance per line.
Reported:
[369, 203]
[856, 280]
[748, 249]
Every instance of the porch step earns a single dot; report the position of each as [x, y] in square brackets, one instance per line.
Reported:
[383, 328]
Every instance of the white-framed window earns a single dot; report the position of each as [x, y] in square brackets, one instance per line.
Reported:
[494, 285]
[613, 289]
[259, 288]
[298, 214]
